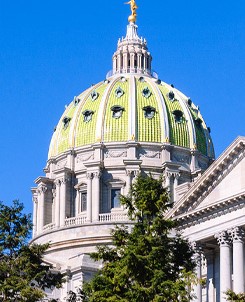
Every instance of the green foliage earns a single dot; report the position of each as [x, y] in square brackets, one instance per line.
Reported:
[231, 296]
[23, 275]
[148, 263]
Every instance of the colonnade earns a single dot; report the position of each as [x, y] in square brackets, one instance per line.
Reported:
[231, 265]
[57, 194]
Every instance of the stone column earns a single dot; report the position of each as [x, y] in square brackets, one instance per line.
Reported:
[225, 264]
[96, 196]
[35, 205]
[89, 197]
[210, 275]
[176, 178]
[63, 183]
[237, 235]
[198, 270]
[41, 200]
[57, 204]
[129, 180]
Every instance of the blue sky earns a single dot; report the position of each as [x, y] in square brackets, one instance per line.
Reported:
[53, 50]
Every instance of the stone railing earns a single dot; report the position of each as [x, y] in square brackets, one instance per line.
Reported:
[80, 220]
[108, 217]
[49, 227]
[75, 221]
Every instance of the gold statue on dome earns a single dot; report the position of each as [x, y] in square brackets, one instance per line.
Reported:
[133, 6]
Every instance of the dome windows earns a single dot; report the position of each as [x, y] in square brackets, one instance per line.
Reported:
[189, 102]
[119, 92]
[171, 95]
[66, 120]
[117, 111]
[178, 116]
[146, 92]
[149, 112]
[87, 115]
[123, 79]
[76, 101]
[142, 79]
[94, 95]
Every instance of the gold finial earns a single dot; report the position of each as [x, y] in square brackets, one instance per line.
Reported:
[133, 6]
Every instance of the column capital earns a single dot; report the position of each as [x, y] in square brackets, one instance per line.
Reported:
[89, 175]
[237, 234]
[223, 238]
[57, 182]
[197, 247]
[132, 172]
[64, 180]
[97, 174]
[34, 199]
[41, 189]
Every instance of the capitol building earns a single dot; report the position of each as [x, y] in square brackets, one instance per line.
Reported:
[129, 123]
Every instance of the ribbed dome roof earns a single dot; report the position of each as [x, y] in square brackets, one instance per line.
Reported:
[131, 107]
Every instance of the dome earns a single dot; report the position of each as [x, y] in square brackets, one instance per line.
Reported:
[131, 107]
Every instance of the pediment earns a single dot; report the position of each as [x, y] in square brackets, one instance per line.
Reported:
[223, 181]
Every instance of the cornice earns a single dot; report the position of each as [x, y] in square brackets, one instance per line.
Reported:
[212, 211]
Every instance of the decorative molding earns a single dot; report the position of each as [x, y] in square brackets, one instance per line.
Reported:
[181, 158]
[113, 154]
[85, 157]
[61, 164]
[150, 154]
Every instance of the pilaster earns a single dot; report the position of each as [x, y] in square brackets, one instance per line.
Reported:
[96, 195]
[89, 196]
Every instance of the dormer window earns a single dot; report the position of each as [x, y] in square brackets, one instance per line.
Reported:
[149, 112]
[117, 111]
[66, 121]
[178, 116]
[76, 100]
[142, 79]
[146, 92]
[87, 115]
[158, 81]
[171, 95]
[94, 95]
[119, 92]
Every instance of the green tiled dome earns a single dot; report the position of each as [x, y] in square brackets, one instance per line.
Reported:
[131, 107]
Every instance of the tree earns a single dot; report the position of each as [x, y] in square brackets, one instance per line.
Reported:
[150, 262]
[231, 296]
[23, 274]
